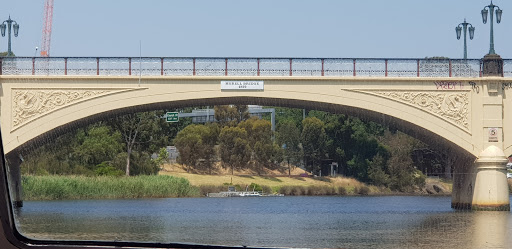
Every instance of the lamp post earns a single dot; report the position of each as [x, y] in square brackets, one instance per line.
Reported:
[9, 25]
[458, 30]
[491, 8]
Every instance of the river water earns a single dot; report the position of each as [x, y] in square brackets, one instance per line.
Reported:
[346, 222]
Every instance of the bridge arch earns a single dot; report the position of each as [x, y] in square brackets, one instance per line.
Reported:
[50, 106]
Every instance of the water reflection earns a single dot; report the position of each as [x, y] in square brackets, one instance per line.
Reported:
[349, 222]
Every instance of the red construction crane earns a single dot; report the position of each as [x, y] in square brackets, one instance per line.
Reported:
[47, 28]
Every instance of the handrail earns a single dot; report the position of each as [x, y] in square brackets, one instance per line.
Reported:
[244, 66]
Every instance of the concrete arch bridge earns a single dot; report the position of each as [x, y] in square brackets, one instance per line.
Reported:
[460, 105]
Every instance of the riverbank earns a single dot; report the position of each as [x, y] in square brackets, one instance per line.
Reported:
[182, 184]
[57, 187]
[296, 185]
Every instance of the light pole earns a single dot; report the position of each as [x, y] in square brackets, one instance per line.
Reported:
[458, 30]
[9, 25]
[491, 8]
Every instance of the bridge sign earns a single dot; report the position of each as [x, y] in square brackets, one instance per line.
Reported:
[172, 117]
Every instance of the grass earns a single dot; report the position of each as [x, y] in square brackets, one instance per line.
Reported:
[284, 185]
[103, 187]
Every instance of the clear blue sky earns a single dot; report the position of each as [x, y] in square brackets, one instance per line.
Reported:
[258, 28]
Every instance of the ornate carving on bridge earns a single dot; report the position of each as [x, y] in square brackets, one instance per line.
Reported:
[29, 104]
[452, 106]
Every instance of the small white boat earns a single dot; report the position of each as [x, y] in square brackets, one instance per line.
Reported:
[250, 194]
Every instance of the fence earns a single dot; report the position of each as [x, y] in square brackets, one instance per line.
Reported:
[170, 66]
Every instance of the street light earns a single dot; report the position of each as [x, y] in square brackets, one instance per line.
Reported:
[498, 20]
[458, 30]
[9, 25]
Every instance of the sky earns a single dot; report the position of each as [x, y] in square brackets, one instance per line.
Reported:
[258, 28]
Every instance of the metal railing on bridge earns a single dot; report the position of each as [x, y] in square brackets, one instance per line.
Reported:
[172, 66]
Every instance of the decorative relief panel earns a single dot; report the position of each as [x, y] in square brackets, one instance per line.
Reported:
[452, 106]
[30, 103]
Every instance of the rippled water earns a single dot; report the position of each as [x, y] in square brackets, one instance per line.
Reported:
[347, 222]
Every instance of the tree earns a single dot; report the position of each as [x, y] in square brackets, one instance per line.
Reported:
[288, 137]
[377, 171]
[162, 157]
[195, 143]
[313, 140]
[234, 148]
[242, 112]
[268, 155]
[97, 143]
[231, 115]
[135, 129]
[403, 175]
[225, 115]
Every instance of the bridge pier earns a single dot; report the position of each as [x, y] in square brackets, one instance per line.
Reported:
[463, 184]
[482, 185]
[14, 174]
[491, 188]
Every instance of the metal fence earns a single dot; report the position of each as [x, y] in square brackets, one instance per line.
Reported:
[169, 66]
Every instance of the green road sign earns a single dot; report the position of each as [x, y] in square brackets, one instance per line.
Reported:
[172, 117]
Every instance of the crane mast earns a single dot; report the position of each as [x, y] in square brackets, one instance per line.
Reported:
[47, 28]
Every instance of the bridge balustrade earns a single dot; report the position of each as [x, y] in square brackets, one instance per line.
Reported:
[171, 66]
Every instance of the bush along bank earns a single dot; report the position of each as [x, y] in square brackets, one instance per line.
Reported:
[105, 187]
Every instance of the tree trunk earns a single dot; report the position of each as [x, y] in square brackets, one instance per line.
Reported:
[289, 169]
[128, 162]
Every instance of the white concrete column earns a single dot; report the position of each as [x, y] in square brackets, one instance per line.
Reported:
[491, 188]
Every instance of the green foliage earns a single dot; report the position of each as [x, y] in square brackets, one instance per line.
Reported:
[363, 190]
[105, 187]
[234, 148]
[137, 131]
[162, 157]
[259, 135]
[196, 144]
[403, 175]
[105, 169]
[255, 187]
[96, 144]
[142, 164]
[314, 141]
[288, 137]
[231, 115]
[376, 171]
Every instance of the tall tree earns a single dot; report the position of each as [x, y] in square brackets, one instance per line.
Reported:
[231, 114]
[196, 143]
[314, 140]
[234, 148]
[136, 129]
[403, 175]
[288, 137]
[265, 152]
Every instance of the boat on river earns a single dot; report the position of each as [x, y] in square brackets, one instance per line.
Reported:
[232, 192]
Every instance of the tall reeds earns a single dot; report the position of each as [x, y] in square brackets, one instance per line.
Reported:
[104, 187]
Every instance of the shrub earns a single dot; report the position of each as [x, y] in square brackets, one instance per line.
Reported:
[363, 190]
[266, 189]
[105, 169]
[254, 187]
[342, 190]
